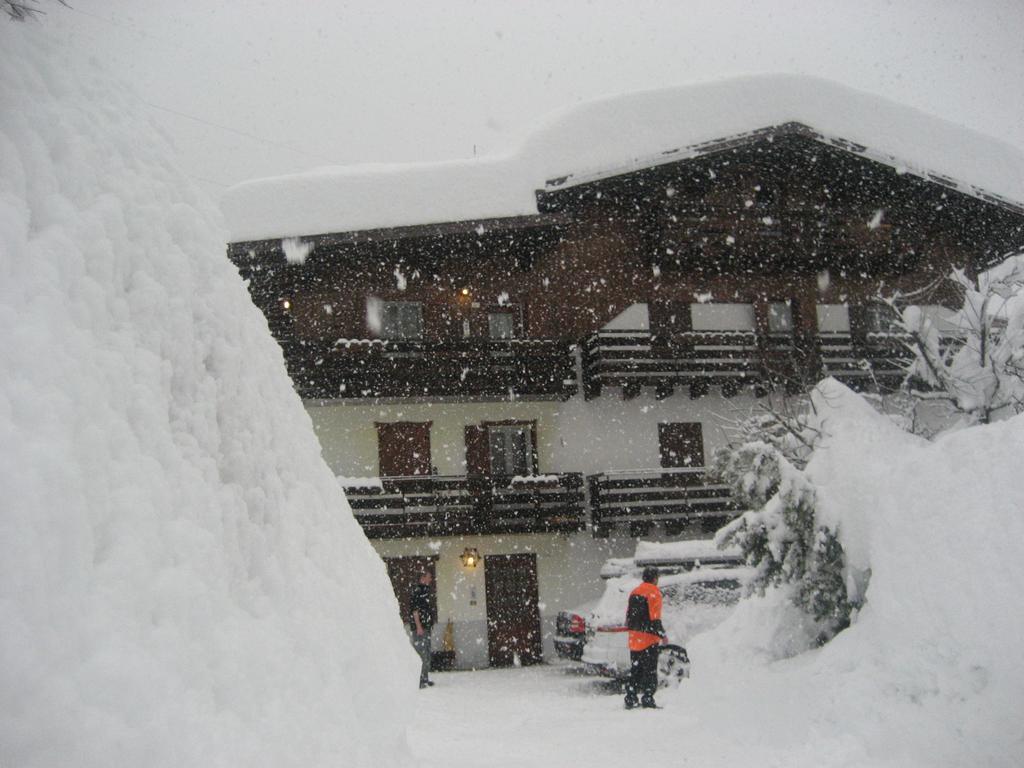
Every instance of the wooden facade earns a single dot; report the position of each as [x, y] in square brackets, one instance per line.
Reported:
[516, 308]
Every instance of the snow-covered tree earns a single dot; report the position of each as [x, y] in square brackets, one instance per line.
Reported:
[979, 367]
[780, 534]
[19, 10]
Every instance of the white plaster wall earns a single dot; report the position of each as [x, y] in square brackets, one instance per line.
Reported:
[608, 433]
[601, 435]
[567, 575]
[348, 433]
[594, 436]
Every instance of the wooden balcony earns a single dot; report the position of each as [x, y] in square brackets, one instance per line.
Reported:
[435, 505]
[734, 360]
[505, 368]
[675, 498]
[698, 359]
[878, 362]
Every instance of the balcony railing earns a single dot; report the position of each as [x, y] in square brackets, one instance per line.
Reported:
[733, 360]
[637, 358]
[879, 360]
[675, 498]
[502, 368]
[437, 505]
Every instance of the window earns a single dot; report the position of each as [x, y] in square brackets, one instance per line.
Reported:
[401, 320]
[681, 445]
[501, 325]
[880, 318]
[780, 317]
[511, 449]
[722, 317]
[833, 318]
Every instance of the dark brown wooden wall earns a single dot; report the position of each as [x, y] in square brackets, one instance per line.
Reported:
[754, 225]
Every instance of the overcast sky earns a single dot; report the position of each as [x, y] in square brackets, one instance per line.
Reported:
[258, 88]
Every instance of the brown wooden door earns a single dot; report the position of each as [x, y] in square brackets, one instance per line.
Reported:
[404, 573]
[681, 445]
[513, 616]
[404, 448]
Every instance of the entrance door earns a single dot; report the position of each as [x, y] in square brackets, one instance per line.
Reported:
[513, 617]
[404, 448]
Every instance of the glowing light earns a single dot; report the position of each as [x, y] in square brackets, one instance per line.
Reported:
[470, 557]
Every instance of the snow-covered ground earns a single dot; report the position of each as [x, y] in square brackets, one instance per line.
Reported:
[544, 716]
[931, 673]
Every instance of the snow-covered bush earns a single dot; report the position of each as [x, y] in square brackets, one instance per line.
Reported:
[781, 534]
[979, 368]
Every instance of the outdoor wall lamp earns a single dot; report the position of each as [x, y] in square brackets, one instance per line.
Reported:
[470, 557]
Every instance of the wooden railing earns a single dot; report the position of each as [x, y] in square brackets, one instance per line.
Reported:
[436, 505]
[734, 360]
[388, 368]
[675, 498]
[877, 361]
[637, 358]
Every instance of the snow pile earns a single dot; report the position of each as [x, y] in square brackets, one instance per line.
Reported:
[611, 136]
[181, 580]
[932, 670]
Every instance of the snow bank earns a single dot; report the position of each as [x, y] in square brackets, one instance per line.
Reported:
[181, 580]
[932, 671]
[611, 136]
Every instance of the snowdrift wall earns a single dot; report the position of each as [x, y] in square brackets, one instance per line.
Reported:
[181, 580]
[932, 671]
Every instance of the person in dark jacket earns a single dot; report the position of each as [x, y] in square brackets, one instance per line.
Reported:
[421, 622]
[646, 633]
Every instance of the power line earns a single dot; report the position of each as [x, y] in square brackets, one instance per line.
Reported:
[247, 135]
[133, 29]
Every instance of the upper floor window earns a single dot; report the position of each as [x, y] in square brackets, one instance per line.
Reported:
[501, 325]
[880, 318]
[833, 318]
[401, 320]
[780, 317]
[722, 317]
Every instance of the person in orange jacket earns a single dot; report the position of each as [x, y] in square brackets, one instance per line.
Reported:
[643, 620]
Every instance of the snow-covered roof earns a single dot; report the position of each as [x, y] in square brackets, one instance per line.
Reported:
[691, 549]
[616, 135]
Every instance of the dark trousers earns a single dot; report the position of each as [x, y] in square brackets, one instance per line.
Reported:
[422, 645]
[643, 677]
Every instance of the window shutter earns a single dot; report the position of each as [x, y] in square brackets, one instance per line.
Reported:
[477, 451]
